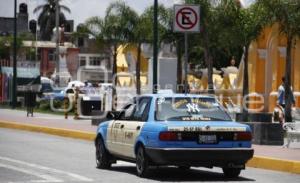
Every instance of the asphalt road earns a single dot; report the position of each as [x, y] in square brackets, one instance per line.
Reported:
[27, 157]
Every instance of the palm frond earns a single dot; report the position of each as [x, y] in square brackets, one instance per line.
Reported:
[38, 8]
[65, 8]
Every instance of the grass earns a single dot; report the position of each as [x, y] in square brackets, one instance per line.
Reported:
[36, 109]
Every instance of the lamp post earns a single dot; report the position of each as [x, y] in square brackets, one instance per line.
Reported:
[14, 89]
[155, 47]
[57, 79]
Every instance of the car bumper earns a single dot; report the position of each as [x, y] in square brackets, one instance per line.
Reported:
[209, 157]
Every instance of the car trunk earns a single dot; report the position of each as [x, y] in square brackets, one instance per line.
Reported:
[206, 134]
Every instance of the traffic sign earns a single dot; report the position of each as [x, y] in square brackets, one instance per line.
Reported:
[187, 18]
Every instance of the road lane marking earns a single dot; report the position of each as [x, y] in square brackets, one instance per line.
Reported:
[46, 178]
[74, 176]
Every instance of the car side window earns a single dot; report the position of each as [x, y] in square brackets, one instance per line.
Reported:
[127, 113]
[142, 109]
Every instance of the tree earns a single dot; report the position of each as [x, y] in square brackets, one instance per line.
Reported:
[46, 19]
[120, 21]
[168, 35]
[143, 33]
[116, 28]
[248, 24]
[286, 13]
[207, 35]
[6, 44]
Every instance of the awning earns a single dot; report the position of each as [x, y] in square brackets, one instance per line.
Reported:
[25, 76]
[21, 72]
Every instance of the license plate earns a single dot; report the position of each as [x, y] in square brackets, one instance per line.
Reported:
[207, 139]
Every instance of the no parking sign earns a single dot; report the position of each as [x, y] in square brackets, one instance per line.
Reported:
[187, 18]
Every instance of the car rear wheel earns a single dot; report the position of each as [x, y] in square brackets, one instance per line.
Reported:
[231, 172]
[102, 156]
[142, 162]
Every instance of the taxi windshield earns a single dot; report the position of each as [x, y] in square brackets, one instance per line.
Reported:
[189, 109]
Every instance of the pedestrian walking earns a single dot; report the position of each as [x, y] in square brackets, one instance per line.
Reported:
[281, 100]
[281, 94]
[30, 101]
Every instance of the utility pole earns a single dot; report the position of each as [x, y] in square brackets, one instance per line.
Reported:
[14, 90]
[57, 40]
[155, 46]
[186, 62]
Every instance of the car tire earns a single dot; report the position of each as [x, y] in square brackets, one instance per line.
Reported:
[231, 172]
[142, 162]
[102, 155]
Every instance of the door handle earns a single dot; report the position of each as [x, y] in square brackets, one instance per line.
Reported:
[138, 128]
[122, 126]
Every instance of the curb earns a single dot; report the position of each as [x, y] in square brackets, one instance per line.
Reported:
[48, 130]
[274, 164]
[256, 162]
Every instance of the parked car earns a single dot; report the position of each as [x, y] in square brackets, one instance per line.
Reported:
[56, 94]
[90, 99]
[174, 129]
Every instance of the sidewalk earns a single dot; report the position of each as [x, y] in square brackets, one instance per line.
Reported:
[291, 154]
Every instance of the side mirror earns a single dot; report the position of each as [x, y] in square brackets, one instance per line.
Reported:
[113, 115]
[110, 115]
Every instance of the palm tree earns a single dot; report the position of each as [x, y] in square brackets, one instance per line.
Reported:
[251, 23]
[46, 19]
[120, 21]
[116, 28]
[143, 33]
[168, 35]
[207, 35]
[286, 14]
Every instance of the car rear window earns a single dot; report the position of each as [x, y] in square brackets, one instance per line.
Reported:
[189, 109]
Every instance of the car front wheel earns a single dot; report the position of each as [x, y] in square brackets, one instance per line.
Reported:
[231, 172]
[102, 156]
[142, 162]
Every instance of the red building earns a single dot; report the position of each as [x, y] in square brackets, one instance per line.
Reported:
[45, 56]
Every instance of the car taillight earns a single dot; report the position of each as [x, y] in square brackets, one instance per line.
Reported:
[242, 136]
[168, 136]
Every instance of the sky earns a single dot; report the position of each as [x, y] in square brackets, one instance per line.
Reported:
[83, 9]
[80, 9]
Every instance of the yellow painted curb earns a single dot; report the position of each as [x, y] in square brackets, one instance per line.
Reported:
[49, 130]
[255, 162]
[275, 164]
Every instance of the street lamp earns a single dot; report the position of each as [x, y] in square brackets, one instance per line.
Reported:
[14, 90]
[57, 79]
[155, 47]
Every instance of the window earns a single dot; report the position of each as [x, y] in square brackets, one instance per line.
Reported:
[189, 109]
[39, 54]
[142, 109]
[127, 112]
[51, 55]
[82, 61]
[95, 61]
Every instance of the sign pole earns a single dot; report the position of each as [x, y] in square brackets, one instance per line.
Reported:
[186, 20]
[186, 63]
[155, 47]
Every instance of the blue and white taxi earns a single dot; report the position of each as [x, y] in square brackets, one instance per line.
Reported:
[174, 129]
